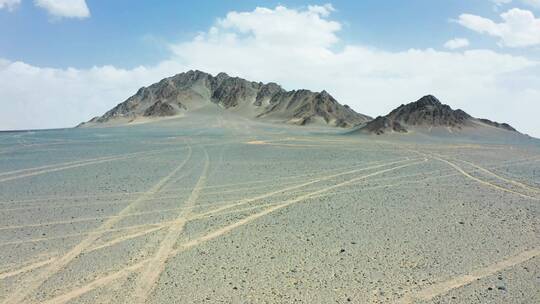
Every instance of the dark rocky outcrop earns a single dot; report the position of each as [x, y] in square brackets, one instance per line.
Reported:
[497, 125]
[382, 124]
[160, 109]
[428, 112]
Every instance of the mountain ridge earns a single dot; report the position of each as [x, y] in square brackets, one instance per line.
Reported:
[195, 89]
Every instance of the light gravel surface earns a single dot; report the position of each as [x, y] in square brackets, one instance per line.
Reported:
[217, 209]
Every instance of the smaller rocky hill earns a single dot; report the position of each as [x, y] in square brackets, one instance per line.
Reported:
[430, 113]
[383, 124]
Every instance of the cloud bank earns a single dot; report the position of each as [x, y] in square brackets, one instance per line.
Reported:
[301, 50]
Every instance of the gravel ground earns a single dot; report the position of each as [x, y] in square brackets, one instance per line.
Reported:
[216, 209]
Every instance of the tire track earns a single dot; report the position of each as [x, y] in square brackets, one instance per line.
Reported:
[251, 218]
[316, 173]
[151, 227]
[20, 294]
[15, 265]
[26, 268]
[56, 165]
[197, 216]
[77, 161]
[102, 281]
[266, 195]
[39, 264]
[501, 165]
[88, 233]
[227, 205]
[20, 146]
[391, 185]
[156, 226]
[444, 287]
[511, 181]
[125, 238]
[73, 165]
[88, 219]
[175, 209]
[481, 181]
[156, 265]
[324, 178]
[207, 187]
[99, 282]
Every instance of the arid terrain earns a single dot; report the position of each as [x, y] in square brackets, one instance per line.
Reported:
[215, 208]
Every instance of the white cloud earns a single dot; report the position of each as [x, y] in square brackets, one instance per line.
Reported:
[65, 8]
[520, 28]
[533, 3]
[301, 52]
[10, 5]
[324, 10]
[280, 26]
[456, 43]
[500, 2]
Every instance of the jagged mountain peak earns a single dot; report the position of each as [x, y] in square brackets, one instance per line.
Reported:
[428, 110]
[324, 93]
[428, 100]
[222, 75]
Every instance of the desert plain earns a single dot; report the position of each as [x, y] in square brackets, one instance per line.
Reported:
[214, 208]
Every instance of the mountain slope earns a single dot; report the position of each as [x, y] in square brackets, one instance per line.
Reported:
[194, 90]
[428, 112]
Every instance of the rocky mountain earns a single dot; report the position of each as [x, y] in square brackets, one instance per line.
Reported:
[193, 90]
[428, 112]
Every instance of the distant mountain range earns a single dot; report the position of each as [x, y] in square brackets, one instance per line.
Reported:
[194, 90]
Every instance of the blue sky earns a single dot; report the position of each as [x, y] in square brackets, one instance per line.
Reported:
[90, 55]
[129, 33]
